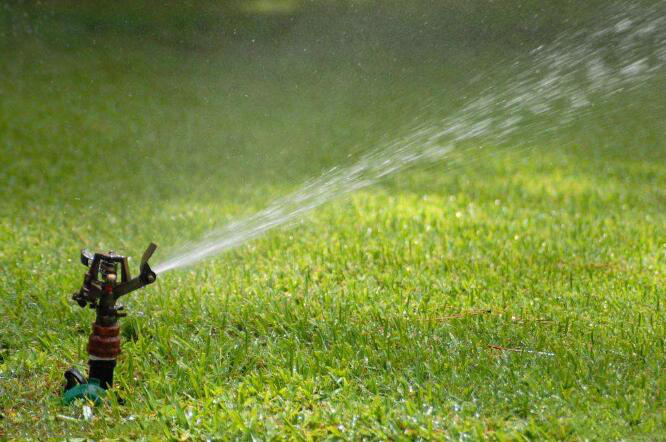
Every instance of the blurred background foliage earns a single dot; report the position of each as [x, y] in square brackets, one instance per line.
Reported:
[407, 25]
[313, 81]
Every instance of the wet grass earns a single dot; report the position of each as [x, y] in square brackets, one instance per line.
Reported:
[517, 296]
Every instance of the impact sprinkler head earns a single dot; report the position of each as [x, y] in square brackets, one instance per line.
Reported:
[100, 290]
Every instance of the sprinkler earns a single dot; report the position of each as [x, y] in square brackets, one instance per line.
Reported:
[100, 291]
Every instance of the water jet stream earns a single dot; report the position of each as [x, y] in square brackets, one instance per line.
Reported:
[556, 85]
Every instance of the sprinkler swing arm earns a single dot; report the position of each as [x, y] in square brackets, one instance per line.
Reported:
[100, 291]
[92, 289]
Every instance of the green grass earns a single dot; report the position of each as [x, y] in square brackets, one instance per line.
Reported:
[379, 317]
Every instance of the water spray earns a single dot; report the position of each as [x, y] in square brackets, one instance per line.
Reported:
[100, 291]
[556, 85]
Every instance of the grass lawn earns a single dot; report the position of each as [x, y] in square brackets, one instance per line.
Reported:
[517, 296]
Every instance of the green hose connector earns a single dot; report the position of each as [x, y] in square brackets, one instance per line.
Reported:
[91, 391]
